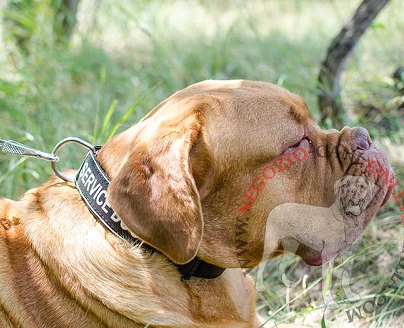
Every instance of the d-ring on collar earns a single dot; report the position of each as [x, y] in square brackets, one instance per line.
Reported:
[57, 148]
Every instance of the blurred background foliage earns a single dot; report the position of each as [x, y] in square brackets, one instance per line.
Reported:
[82, 74]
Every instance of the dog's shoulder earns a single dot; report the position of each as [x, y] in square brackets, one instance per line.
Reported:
[10, 215]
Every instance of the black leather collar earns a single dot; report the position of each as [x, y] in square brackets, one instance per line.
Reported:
[92, 183]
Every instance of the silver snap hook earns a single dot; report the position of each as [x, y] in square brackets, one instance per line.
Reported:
[57, 148]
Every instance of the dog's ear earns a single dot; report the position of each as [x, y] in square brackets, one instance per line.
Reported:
[337, 187]
[155, 193]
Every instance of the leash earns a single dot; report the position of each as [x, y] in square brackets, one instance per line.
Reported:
[15, 148]
[92, 183]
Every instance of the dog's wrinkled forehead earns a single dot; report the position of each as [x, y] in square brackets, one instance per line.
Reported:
[251, 111]
[234, 108]
[354, 184]
[350, 181]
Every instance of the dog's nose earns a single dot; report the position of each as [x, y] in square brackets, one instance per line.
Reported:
[362, 138]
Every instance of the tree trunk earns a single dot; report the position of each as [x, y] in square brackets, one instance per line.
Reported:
[329, 100]
[65, 18]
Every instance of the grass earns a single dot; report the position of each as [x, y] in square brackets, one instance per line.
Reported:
[125, 57]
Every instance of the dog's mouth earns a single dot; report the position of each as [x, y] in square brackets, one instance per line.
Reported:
[358, 209]
[310, 256]
[373, 165]
[359, 193]
[355, 208]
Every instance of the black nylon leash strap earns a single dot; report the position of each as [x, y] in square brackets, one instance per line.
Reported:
[92, 183]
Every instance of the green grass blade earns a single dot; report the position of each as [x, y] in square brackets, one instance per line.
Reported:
[125, 117]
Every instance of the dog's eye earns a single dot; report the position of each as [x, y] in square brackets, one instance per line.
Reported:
[299, 143]
[296, 144]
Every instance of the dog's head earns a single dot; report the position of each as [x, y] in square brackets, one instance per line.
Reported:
[353, 195]
[182, 176]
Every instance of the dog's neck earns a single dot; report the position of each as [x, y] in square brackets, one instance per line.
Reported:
[118, 147]
[92, 183]
[337, 213]
[93, 265]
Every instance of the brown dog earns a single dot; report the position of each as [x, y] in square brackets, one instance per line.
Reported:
[177, 179]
